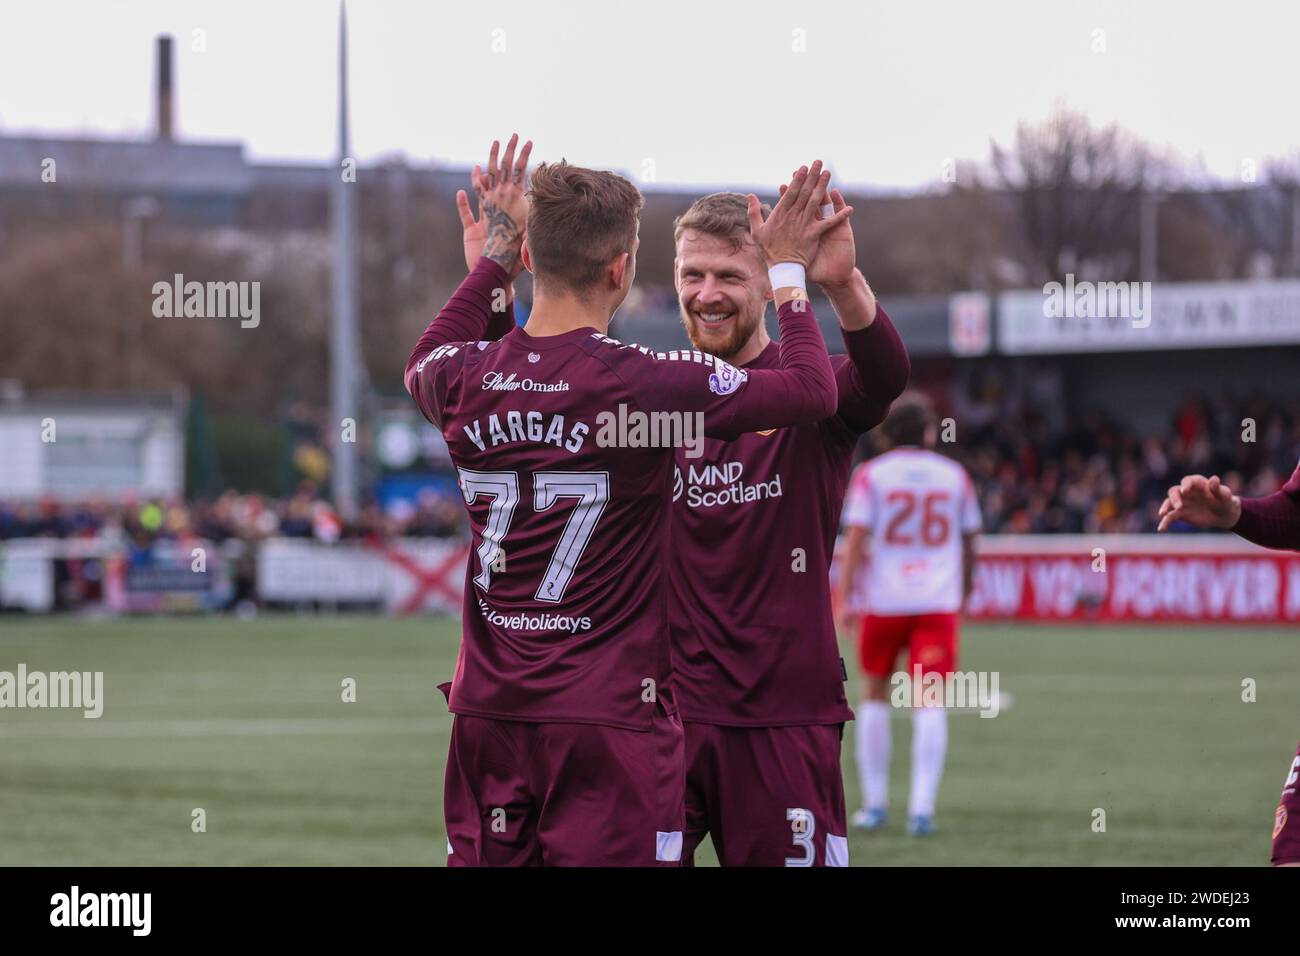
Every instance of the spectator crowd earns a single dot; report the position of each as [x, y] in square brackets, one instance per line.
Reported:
[1037, 470]
[232, 515]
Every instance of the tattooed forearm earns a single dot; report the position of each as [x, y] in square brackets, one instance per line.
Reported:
[503, 236]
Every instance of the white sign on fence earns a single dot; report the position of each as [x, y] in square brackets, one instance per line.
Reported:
[1192, 315]
[405, 576]
[27, 574]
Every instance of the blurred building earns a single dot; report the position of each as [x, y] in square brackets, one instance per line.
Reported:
[980, 331]
[72, 447]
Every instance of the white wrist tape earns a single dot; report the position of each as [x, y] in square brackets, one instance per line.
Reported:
[786, 275]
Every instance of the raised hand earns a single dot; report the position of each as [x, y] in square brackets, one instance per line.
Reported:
[498, 232]
[1204, 502]
[836, 256]
[793, 232]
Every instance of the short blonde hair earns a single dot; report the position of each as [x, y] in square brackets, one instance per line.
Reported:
[725, 215]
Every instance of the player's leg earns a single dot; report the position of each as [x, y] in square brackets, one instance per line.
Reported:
[933, 651]
[490, 816]
[780, 797]
[881, 640]
[701, 787]
[611, 797]
[1286, 821]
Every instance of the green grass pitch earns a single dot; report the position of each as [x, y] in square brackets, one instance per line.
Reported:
[245, 720]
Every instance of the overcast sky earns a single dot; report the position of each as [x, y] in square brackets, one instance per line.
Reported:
[681, 91]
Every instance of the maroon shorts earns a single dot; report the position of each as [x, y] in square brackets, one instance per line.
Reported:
[930, 639]
[768, 796]
[526, 794]
[1286, 822]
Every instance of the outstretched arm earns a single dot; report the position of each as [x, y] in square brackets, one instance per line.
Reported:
[801, 391]
[878, 366]
[733, 401]
[498, 230]
[1272, 521]
[479, 306]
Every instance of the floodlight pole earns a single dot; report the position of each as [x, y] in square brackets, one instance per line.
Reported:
[1148, 234]
[1295, 228]
[345, 360]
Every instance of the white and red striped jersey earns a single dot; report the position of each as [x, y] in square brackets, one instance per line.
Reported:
[917, 505]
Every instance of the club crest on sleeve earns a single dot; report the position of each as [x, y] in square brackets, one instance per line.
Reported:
[1279, 821]
[726, 378]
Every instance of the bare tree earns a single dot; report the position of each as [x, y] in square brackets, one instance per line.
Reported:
[1071, 194]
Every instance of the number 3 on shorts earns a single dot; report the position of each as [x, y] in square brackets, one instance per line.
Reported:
[803, 827]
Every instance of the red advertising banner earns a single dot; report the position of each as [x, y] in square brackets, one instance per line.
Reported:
[1134, 578]
[1086, 578]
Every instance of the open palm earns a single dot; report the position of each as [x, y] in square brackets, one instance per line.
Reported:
[836, 255]
[501, 191]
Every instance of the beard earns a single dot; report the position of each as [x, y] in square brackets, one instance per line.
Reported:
[721, 343]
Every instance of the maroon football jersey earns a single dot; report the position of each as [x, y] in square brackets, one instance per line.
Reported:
[565, 609]
[754, 526]
[1273, 521]
[1286, 821]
